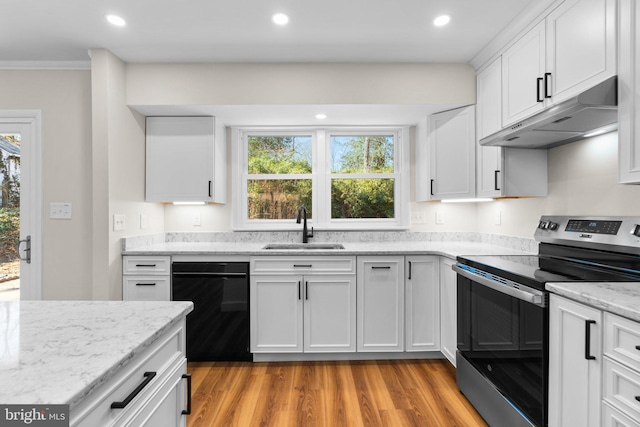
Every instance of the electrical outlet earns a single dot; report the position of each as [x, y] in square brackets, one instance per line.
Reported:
[60, 210]
[439, 217]
[119, 222]
[143, 221]
[196, 219]
[498, 218]
[417, 218]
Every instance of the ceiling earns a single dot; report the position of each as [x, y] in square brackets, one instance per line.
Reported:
[242, 31]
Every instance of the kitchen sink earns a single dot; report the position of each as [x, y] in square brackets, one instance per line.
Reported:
[296, 246]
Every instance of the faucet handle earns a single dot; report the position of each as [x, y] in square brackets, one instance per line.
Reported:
[310, 234]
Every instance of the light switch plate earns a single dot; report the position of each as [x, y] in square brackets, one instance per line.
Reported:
[119, 222]
[498, 218]
[143, 221]
[439, 217]
[60, 210]
[197, 220]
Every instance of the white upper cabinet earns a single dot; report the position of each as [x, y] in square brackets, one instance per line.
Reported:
[573, 49]
[629, 94]
[489, 99]
[451, 146]
[523, 68]
[581, 47]
[185, 160]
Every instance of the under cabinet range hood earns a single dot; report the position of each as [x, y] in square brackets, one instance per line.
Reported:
[576, 118]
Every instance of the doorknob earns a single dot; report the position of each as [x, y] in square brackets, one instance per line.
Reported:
[27, 250]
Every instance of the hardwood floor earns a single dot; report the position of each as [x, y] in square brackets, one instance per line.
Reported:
[393, 393]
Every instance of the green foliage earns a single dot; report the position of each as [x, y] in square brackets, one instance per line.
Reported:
[9, 233]
[362, 198]
[362, 154]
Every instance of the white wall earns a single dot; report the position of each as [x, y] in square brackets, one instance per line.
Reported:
[64, 97]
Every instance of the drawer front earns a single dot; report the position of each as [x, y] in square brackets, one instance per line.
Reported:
[96, 409]
[146, 288]
[614, 418]
[621, 387]
[622, 340]
[145, 265]
[303, 265]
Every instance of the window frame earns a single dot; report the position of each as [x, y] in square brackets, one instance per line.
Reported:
[321, 177]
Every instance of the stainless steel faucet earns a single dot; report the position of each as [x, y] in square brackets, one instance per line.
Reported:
[302, 213]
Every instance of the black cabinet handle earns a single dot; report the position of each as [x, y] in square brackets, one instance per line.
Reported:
[148, 377]
[302, 265]
[495, 180]
[587, 339]
[409, 271]
[432, 188]
[210, 190]
[145, 284]
[188, 410]
[306, 290]
[299, 286]
[387, 267]
[638, 398]
[538, 96]
[145, 265]
[638, 347]
[547, 79]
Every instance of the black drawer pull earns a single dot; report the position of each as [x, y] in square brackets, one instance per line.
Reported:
[145, 265]
[638, 398]
[302, 265]
[638, 347]
[145, 284]
[188, 410]
[148, 377]
[587, 339]
[387, 267]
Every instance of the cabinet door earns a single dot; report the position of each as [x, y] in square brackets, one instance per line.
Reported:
[629, 94]
[276, 314]
[422, 303]
[329, 313]
[574, 378]
[581, 46]
[179, 159]
[146, 288]
[380, 295]
[489, 99]
[452, 146]
[523, 68]
[489, 171]
[448, 309]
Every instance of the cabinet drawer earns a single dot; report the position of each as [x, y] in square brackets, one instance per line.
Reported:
[611, 417]
[146, 265]
[96, 409]
[303, 265]
[622, 340]
[621, 387]
[146, 288]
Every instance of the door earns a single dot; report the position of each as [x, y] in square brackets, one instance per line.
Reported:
[23, 128]
[422, 303]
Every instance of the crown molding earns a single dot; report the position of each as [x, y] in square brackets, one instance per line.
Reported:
[46, 65]
[527, 19]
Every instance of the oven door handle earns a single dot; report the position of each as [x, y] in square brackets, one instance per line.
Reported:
[529, 295]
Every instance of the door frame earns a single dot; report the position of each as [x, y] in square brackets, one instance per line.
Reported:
[31, 120]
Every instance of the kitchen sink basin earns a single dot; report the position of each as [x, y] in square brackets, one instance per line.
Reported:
[296, 246]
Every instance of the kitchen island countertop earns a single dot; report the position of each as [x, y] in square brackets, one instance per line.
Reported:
[57, 352]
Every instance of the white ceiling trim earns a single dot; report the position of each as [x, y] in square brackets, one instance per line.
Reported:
[45, 65]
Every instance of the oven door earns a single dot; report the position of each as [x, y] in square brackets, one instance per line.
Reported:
[503, 335]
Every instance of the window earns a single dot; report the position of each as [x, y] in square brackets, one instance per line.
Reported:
[346, 179]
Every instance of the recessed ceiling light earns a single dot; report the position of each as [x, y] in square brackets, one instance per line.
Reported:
[321, 116]
[116, 20]
[441, 20]
[280, 19]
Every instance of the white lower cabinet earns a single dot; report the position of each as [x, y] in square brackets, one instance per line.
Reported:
[150, 391]
[422, 303]
[575, 363]
[302, 311]
[380, 289]
[146, 278]
[448, 309]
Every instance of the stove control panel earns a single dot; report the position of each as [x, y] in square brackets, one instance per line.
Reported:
[606, 233]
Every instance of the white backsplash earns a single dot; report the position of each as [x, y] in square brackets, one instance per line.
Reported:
[519, 243]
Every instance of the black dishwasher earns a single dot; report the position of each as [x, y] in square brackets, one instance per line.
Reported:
[218, 326]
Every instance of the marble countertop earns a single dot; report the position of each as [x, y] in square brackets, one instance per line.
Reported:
[57, 352]
[618, 298]
[448, 249]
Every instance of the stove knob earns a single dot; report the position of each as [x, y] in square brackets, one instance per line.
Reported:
[552, 226]
[636, 230]
[542, 225]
